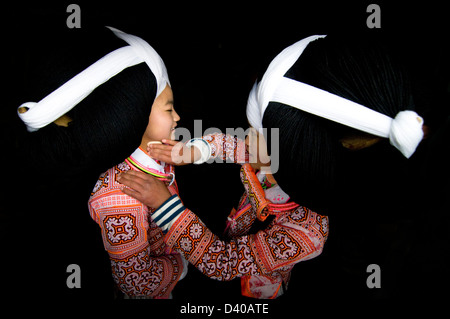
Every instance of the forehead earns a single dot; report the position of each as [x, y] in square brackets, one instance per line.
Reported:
[168, 93]
[166, 97]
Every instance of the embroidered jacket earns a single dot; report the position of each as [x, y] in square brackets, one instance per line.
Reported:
[263, 260]
[140, 262]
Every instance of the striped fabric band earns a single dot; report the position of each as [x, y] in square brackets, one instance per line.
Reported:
[150, 171]
[168, 213]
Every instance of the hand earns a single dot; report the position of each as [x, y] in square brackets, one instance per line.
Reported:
[144, 187]
[173, 152]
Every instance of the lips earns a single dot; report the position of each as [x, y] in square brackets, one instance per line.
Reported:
[172, 133]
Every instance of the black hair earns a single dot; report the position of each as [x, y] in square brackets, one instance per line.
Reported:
[107, 126]
[360, 70]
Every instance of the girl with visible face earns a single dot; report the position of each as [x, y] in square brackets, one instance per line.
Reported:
[162, 120]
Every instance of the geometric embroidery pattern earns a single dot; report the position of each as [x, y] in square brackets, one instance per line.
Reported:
[121, 229]
[281, 247]
[101, 183]
[140, 262]
[216, 259]
[255, 191]
[227, 148]
[262, 259]
[140, 275]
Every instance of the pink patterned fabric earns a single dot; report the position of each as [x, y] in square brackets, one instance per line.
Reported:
[263, 260]
[140, 263]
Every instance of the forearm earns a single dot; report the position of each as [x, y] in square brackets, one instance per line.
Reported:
[219, 146]
[141, 274]
[188, 235]
[244, 255]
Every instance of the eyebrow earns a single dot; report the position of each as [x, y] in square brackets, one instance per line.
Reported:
[169, 102]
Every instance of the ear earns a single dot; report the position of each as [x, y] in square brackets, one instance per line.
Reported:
[355, 142]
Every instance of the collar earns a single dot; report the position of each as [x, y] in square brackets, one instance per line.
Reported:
[142, 161]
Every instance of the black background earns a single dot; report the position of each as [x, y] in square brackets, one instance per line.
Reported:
[388, 211]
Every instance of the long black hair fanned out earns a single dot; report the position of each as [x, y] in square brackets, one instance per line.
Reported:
[361, 70]
[106, 126]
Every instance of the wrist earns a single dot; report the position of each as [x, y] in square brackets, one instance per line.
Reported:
[163, 200]
[201, 150]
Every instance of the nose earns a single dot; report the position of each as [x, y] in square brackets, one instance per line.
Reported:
[176, 117]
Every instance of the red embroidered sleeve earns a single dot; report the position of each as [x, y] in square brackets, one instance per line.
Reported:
[287, 241]
[139, 267]
[227, 147]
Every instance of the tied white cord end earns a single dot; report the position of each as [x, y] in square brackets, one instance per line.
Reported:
[23, 111]
[406, 132]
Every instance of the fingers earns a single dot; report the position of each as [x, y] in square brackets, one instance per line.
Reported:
[130, 185]
[177, 153]
[132, 193]
[161, 153]
[165, 145]
[159, 148]
[144, 187]
[135, 180]
[168, 153]
[170, 142]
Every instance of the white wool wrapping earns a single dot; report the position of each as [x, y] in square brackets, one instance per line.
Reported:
[67, 96]
[404, 131]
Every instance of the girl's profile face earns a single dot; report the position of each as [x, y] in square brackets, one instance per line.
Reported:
[163, 118]
[257, 149]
